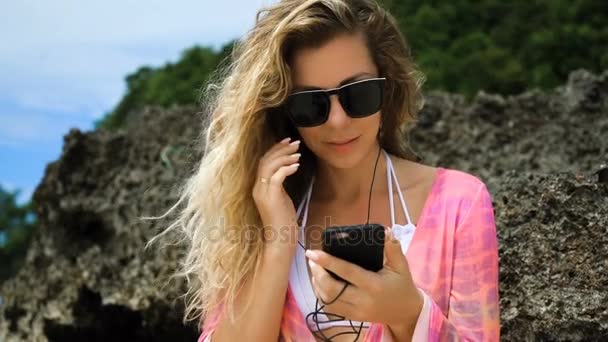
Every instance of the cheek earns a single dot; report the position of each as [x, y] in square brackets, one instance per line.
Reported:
[374, 121]
[370, 126]
[310, 136]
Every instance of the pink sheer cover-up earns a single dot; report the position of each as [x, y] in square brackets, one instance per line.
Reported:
[453, 258]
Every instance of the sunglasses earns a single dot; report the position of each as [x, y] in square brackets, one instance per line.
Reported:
[359, 99]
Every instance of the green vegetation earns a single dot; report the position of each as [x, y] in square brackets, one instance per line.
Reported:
[461, 45]
[503, 46]
[17, 223]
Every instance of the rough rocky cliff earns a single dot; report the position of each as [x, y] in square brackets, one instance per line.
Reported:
[543, 155]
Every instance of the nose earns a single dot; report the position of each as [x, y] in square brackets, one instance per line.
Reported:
[337, 116]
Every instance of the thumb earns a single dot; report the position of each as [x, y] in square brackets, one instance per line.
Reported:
[394, 257]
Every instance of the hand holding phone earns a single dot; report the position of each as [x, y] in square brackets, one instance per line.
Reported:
[362, 245]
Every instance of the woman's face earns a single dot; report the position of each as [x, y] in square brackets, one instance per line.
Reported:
[342, 60]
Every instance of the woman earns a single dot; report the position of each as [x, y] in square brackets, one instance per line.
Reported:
[316, 105]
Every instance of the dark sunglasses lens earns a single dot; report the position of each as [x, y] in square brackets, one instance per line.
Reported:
[307, 109]
[363, 98]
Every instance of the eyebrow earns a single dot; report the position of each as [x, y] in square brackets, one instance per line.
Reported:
[352, 78]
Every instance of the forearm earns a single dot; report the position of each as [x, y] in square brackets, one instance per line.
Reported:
[262, 320]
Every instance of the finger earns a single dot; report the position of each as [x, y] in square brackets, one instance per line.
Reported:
[276, 180]
[328, 287]
[283, 149]
[271, 166]
[353, 273]
[268, 164]
[395, 259]
[339, 306]
[278, 145]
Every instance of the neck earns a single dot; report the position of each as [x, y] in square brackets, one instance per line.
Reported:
[351, 185]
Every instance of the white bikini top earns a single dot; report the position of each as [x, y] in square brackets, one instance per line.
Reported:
[298, 273]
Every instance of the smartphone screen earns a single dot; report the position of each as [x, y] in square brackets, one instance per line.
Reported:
[362, 245]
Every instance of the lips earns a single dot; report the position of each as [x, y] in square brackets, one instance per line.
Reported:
[342, 141]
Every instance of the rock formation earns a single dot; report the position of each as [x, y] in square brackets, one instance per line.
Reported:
[543, 155]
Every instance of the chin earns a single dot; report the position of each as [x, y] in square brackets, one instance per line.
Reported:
[345, 156]
[343, 162]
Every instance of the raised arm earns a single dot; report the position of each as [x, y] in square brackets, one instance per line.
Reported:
[261, 320]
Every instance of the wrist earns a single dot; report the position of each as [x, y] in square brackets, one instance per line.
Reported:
[278, 249]
[418, 304]
[403, 329]
[281, 233]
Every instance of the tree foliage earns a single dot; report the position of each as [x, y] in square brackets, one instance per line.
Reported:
[17, 223]
[461, 45]
[503, 46]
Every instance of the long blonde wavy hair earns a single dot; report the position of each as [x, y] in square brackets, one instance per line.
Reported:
[219, 220]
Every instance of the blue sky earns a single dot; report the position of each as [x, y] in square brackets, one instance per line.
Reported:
[63, 63]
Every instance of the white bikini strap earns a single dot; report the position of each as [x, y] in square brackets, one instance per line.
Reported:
[308, 195]
[390, 186]
[304, 205]
[403, 206]
[301, 206]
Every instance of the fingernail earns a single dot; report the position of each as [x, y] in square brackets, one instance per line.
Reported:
[393, 237]
[296, 155]
[295, 165]
[389, 233]
[311, 263]
[312, 255]
[294, 142]
[285, 140]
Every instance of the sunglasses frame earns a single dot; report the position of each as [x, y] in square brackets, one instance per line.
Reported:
[329, 92]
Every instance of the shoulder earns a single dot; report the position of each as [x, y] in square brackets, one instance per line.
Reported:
[452, 181]
[451, 190]
[416, 175]
[467, 198]
[461, 182]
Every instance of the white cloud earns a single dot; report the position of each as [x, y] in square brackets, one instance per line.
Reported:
[70, 58]
[30, 23]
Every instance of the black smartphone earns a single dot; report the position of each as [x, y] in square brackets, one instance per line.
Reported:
[362, 245]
